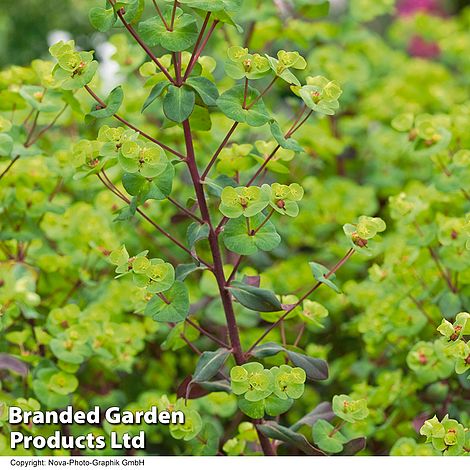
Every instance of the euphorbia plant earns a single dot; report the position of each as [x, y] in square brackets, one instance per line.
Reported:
[214, 158]
[148, 168]
[232, 213]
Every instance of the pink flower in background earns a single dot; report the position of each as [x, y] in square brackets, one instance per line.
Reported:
[410, 7]
[419, 47]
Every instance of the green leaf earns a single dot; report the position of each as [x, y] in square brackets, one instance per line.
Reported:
[319, 272]
[157, 91]
[275, 406]
[133, 183]
[227, 18]
[313, 9]
[200, 119]
[6, 145]
[216, 386]
[79, 80]
[321, 411]
[184, 270]
[354, 446]
[253, 409]
[205, 89]
[113, 103]
[209, 364]
[316, 369]
[237, 239]
[267, 350]
[209, 441]
[102, 19]
[327, 438]
[182, 36]
[63, 383]
[158, 188]
[348, 409]
[133, 9]
[161, 185]
[231, 104]
[176, 310]
[196, 232]
[274, 430]
[213, 5]
[254, 298]
[289, 144]
[178, 103]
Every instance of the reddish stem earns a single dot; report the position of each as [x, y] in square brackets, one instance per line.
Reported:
[219, 149]
[273, 81]
[305, 296]
[196, 46]
[199, 52]
[214, 247]
[142, 44]
[131, 126]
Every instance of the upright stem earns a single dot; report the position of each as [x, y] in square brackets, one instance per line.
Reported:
[214, 246]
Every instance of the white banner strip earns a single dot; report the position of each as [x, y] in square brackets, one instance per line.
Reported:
[230, 463]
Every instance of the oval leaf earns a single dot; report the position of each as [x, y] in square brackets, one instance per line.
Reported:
[254, 298]
[209, 364]
[178, 103]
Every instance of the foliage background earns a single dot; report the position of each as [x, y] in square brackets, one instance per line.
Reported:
[395, 63]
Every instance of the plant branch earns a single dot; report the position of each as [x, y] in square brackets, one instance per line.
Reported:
[264, 222]
[7, 169]
[160, 14]
[131, 126]
[31, 130]
[299, 125]
[295, 127]
[201, 48]
[142, 44]
[185, 211]
[173, 15]
[273, 81]
[245, 93]
[234, 270]
[206, 333]
[190, 344]
[196, 46]
[437, 261]
[266, 444]
[49, 126]
[263, 166]
[335, 268]
[219, 149]
[105, 180]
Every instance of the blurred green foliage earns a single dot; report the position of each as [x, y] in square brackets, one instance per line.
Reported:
[26, 24]
[394, 145]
